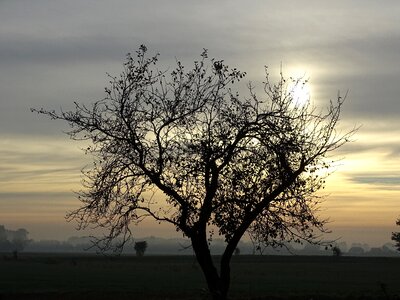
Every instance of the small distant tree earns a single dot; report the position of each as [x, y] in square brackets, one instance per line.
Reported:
[140, 248]
[221, 160]
[396, 236]
[237, 251]
[336, 251]
[19, 241]
[14, 241]
[3, 234]
[5, 245]
[356, 251]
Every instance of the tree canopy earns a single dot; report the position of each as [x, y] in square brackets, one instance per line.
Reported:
[140, 248]
[222, 161]
[14, 241]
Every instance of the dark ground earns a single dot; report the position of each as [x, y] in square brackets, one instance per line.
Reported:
[50, 276]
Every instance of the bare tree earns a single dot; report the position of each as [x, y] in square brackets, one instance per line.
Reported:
[222, 161]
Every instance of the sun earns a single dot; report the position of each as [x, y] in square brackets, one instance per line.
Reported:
[299, 88]
[300, 91]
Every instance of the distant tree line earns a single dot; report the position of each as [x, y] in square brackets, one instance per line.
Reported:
[181, 246]
[77, 244]
[15, 241]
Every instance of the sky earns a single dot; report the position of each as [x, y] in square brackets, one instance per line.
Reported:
[54, 52]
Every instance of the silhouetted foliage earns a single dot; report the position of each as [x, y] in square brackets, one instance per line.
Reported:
[140, 248]
[19, 241]
[336, 251]
[13, 241]
[396, 236]
[222, 161]
[5, 244]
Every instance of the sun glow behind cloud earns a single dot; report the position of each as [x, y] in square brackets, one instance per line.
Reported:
[298, 85]
[301, 93]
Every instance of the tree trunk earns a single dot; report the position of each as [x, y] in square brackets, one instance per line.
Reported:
[217, 285]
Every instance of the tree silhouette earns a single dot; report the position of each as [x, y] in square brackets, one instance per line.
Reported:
[5, 244]
[13, 240]
[336, 251]
[182, 147]
[396, 236]
[140, 248]
[19, 241]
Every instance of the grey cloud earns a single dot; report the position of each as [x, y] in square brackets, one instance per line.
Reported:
[37, 197]
[373, 134]
[391, 148]
[384, 182]
[10, 175]
[53, 51]
[51, 59]
[94, 32]
[39, 162]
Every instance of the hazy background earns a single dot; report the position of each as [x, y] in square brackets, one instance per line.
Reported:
[55, 52]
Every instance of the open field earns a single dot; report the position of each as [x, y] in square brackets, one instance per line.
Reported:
[48, 276]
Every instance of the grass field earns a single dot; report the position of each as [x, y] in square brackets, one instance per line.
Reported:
[47, 276]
